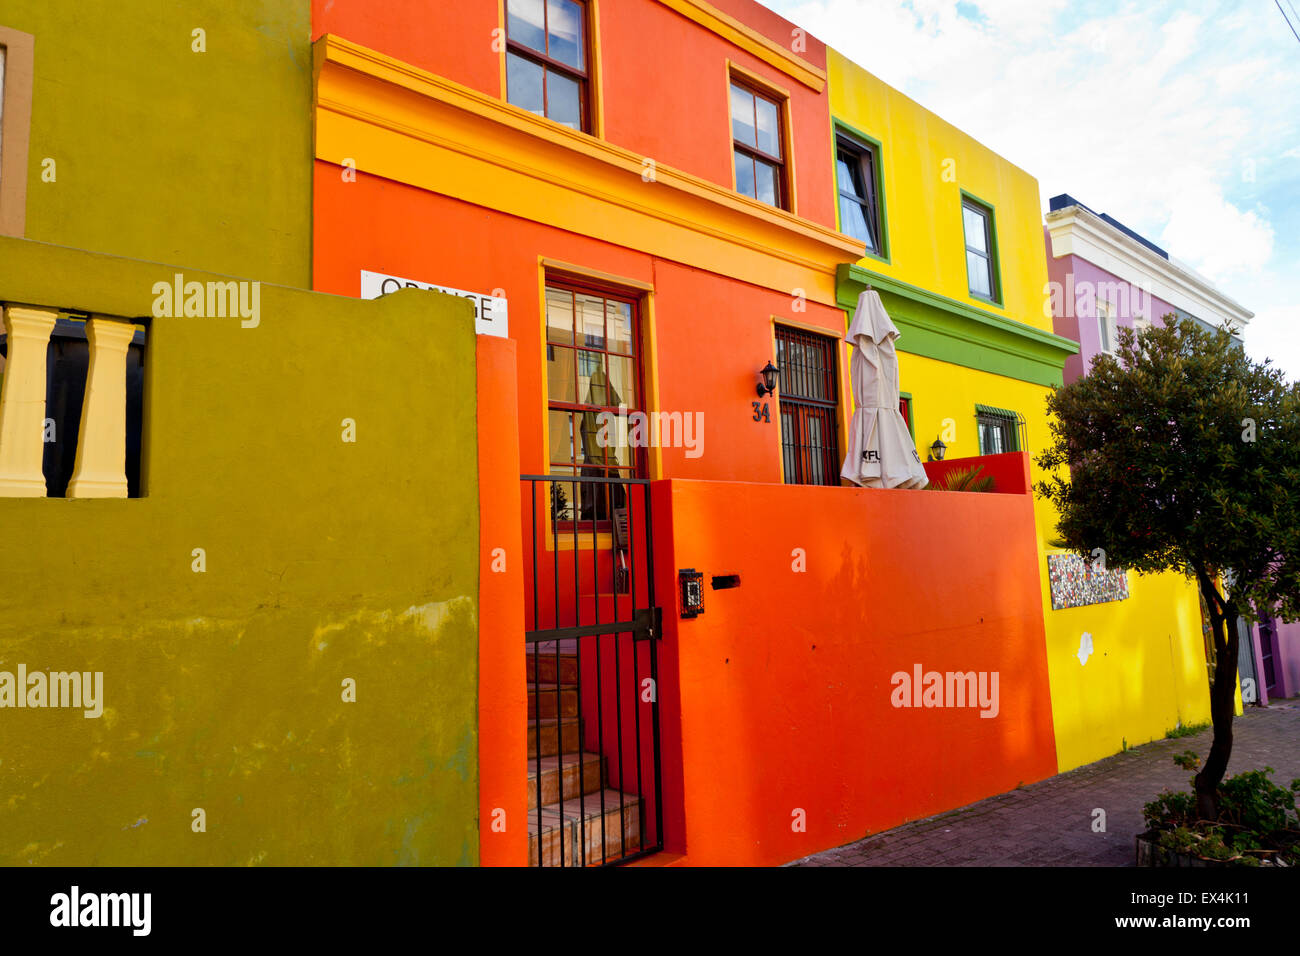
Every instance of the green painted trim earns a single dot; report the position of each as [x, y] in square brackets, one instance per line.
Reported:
[994, 410]
[838, 126]
[911, 414]
[937, 327]
[993, 252]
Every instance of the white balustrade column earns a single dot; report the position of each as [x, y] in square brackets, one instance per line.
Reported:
[22, 401]
[100, 471]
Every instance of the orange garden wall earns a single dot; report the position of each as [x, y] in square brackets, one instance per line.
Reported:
[502, 702]
[779, 695]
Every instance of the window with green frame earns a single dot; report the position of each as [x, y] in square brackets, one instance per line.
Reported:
[857, 174]
[981, 249]
[1000, 430]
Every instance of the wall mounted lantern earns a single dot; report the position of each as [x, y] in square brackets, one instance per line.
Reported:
[769, 374]
[938, 450]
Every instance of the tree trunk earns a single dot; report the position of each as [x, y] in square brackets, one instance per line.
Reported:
[1223, 623]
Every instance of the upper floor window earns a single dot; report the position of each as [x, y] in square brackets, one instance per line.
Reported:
[856, 173]
[1107, 330]
[547, 69]
[758, 142]
[981, 269]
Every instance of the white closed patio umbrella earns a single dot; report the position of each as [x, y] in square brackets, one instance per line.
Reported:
[881, 451]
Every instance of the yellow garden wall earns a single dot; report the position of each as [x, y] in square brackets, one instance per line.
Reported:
[324, 561]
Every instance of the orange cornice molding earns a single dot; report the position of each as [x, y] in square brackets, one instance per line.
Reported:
[751, 41]
[395, 120]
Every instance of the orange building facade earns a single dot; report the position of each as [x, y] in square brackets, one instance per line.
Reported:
[648, 241]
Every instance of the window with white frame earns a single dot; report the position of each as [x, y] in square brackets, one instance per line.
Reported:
[1107, 331]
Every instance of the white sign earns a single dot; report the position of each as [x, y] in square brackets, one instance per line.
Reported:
[490, 312]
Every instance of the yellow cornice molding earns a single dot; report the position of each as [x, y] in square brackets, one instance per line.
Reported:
[750, 40]
[398, 121]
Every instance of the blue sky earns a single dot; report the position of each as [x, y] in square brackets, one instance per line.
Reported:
[1180, 119]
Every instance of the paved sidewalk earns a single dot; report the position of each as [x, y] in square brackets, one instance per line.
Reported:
[1049, 823]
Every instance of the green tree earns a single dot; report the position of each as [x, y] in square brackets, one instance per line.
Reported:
[1183, 454]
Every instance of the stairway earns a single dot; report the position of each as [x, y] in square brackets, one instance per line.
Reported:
[578, 809]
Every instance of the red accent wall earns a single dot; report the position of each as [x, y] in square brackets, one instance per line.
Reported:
[1010, 471]
[782, 693]
[663, 83]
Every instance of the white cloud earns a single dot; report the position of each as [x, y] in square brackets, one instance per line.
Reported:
[1161, 119]
[1218, 239]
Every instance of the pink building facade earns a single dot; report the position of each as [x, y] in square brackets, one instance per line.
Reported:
[1104, 277]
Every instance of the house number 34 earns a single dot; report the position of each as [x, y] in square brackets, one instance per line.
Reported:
[761, 413]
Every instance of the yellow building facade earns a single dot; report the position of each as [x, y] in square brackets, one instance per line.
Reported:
[955, 239]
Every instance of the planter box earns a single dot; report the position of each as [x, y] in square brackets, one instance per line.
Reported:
[1151, 854]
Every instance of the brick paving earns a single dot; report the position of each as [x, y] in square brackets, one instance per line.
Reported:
[1049, 823]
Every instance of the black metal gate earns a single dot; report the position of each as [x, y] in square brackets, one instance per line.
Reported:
[593, 625]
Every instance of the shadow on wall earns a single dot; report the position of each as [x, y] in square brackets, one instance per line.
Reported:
[794, 737]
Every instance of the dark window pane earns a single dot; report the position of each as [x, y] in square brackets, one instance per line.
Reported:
[591, 448]
[769, 127]
[807, 404]
[745, 175]
[563, 100]
[765, 176]
[526, 24]
[848, 171]
[591, 378]
[524, 84]
[564, 28]
[742, 116]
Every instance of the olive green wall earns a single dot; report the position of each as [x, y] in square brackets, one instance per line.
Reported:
[325, 560]
[164, 154]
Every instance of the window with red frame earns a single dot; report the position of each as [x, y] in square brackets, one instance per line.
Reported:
[547, 60]
[758, 144]
[593, 377]
[809, 402]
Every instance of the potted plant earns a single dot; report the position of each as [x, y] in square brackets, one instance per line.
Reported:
[1257, 825]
